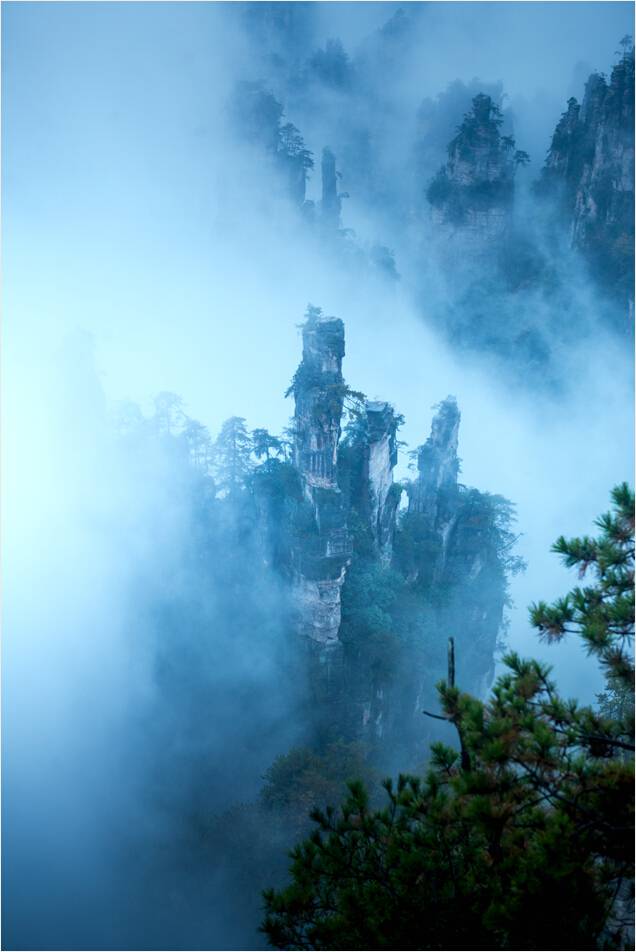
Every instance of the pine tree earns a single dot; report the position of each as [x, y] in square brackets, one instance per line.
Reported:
[232, 450]
[264, 444]
[200, 450]
[602, 612]
[169, 415]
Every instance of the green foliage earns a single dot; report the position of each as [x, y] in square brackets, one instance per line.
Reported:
[484, 526]
[602, 612]
[521, 840]
[169, 415]
[370, 601]
[477, 138]
[481, 124]
[291, 144]
[258, 116]
[329, 391]
[199, 443]
[585, 190]
[304, 780]
[441, 189]
[264, 444]
[332, 65]
[416, 548]
[232, 451]
[332, 397]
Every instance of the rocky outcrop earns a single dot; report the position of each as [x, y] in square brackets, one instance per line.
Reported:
[319, 391]
[331, 205]
[318, 606]
[590, 173]
[381, 459]
[434, 493]
[463, 572]
[472, 569]
[472, 195]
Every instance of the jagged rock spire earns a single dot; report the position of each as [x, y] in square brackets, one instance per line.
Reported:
[437, 463]
[319, 390]
[382, 425]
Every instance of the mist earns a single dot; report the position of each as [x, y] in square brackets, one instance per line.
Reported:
[148, 249]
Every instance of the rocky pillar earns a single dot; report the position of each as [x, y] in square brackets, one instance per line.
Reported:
[435, 490]
[331, 204]
[319, 394]
[381, 460]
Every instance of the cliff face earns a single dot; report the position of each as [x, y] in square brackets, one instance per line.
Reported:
[590, 171]
[434, 495]
[380, 459]
[471, 197]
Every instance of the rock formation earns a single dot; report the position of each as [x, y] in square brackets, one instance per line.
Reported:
[463, 548]
[472, 195]
[590, 172]
[376, 591]
[330, 206]
[380, 461]
[435, 490]
[319, 390]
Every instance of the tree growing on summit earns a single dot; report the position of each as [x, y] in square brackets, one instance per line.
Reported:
[332, 66]
[292, 144]
[524, 841]
[521, 158]
[232, 451]
[264, 444]
[257, 114]
[199, 445]
[626, 47]
[169, 415]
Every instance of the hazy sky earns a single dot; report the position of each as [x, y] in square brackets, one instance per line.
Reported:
[114, 165]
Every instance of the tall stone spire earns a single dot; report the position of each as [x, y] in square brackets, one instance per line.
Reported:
[319, 394]
[331, 204]
[438, 465]
[319, 391]
[382, 426]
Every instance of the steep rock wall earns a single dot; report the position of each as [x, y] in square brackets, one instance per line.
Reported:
[590, 171]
